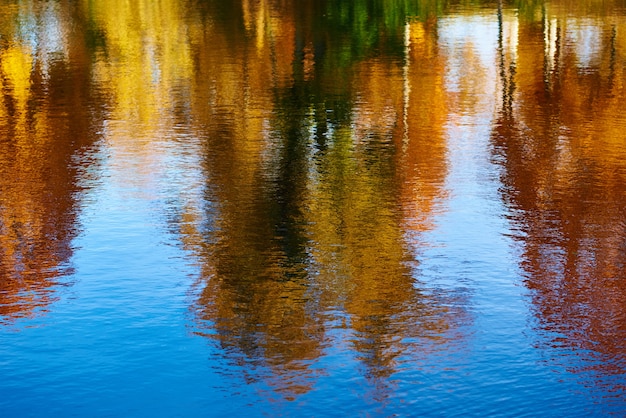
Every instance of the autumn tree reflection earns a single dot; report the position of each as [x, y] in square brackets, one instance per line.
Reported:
[422, 136]
[44, 125]
[563, 153]
[256, 301]
[383, 179]
[323, 164]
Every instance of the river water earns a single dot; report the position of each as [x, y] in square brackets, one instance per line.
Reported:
[312, 208]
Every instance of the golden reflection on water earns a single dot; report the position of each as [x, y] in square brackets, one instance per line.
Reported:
[305, 204]
[323, 167]
[423, 139]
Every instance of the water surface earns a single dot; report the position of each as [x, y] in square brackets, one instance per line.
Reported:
[270, 208]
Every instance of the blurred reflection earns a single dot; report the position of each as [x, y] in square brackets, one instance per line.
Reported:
[44, 125]
[256, 301]
[379, 185]
[143, 66]
[308, 142]
[314, 173]
[562, 146]
[423, 140]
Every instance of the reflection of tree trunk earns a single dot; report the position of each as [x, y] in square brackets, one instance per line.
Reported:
[612, 58]
[406, 85]
[507, 75]
[553, 38]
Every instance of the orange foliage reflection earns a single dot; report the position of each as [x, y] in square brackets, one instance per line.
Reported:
[43, 124]
[564, 156]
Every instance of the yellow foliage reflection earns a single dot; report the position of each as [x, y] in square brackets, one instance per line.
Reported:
[423, 140]
[307, 210]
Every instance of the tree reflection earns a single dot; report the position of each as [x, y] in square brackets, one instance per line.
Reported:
[256, 301]
[322, 132]
[44, 125]
[317, 159]
[389, 182]
[563, 154]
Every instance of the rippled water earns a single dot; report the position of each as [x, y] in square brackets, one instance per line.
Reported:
[270, 208]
